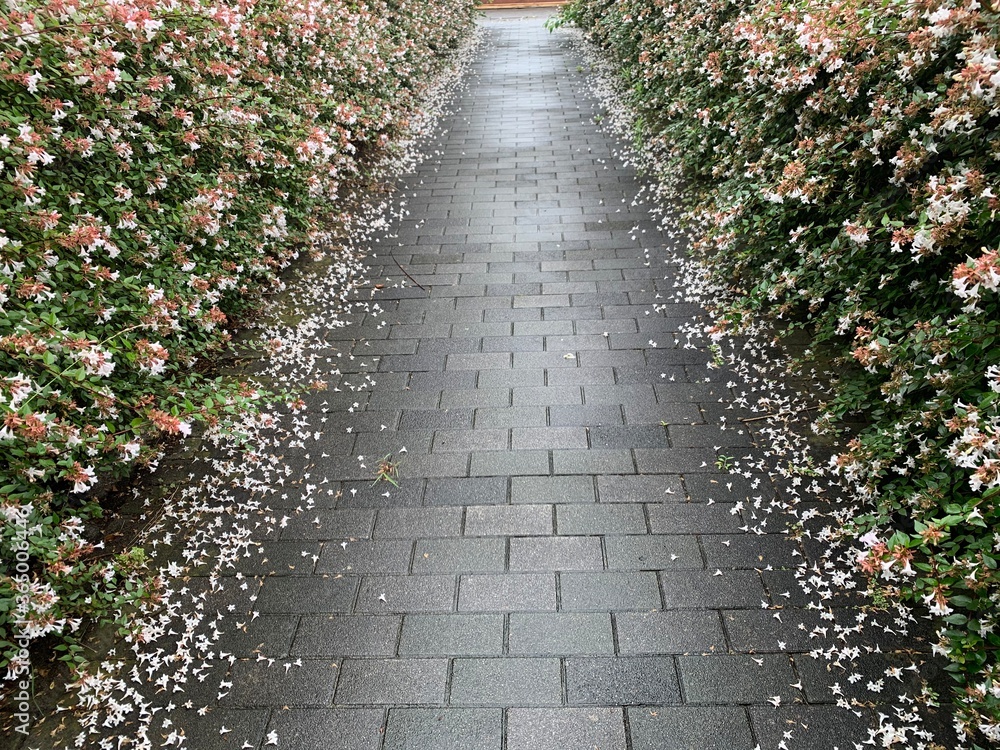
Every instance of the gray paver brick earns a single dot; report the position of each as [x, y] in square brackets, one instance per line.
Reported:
[508, 592]
[305, 595]
[757, 630]
[750, 551]
[368, 495]
[579, 310]
[628, 436]
[415, 593]
[256, 683]
[381, 682]
[548, 360]
[365, 556]
[483, 361]
[515, 416]
[561, 728]
[542, 300]
[452, 635]
[543, 328]
[507, 463]
[411, 362]
[555, 553]
[688, 727]
[466, 491]
[408, 523]
[697, 589]
[785, 591]
[562, 489]
[653, 552]
[329, 524]
[512, 314]
[274, 558]
[514, 344]
[509, 681]
[470, 440]
[617, 590]
[439, 381]
[548, 437]
[436, 418]
[508, 520]
[347, 635]
[475, 398]
[389, 400]
[209, 731]
[618, 358]
[443, 729]
[618, 518]
[640, 489]
[819, 677]
[561, 634]
[675, 460]
[355, 728]
[437, 465]
[581, 376]
[729, 488]
[622, 681]
[511, 378]
[469, 555]
[812, 726]
[690, 436]
[419, 331]
[673, 413]
[669, 632]
[592, 461]
[479, 330]
[736, 678]
[694, 518]
[587, 415]
[267, 633]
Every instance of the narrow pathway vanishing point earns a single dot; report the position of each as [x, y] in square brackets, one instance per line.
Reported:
[562, 564]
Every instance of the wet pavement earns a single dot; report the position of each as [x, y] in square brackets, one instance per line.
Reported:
[562, 565]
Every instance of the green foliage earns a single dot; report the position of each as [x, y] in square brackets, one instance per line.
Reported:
[161, 162]
[387, 470]
[842, 164]
[724, 462]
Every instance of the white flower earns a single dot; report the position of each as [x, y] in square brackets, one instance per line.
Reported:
[130, 450]
[85, 483]
[96, 361]
[856, 233]
[993, 378]
[923, 243]
[870, 539]
[936, 607]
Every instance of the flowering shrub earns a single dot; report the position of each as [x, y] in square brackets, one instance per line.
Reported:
[160, 162]
[840, 161]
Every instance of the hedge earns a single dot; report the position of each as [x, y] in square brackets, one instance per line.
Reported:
[840, 162]
[162, 162]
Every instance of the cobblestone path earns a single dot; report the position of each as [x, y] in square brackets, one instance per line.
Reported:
[562, 565]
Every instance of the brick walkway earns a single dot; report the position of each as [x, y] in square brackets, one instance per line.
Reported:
[561, 566]
[557, 569]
